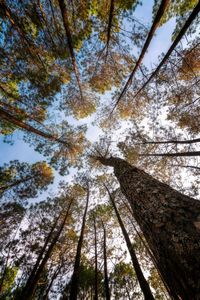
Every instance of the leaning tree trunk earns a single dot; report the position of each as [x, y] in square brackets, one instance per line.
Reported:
[10, 118]
[106, 280]
[138, 271]
[170, 222]
[32, 282]
[75, 276]
[162, 9]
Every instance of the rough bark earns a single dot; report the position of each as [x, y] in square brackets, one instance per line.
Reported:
[163, 6]
[170, 222]
[138, 271]
[173, 46]
[75, 276]
[32, 282]
[106, 280]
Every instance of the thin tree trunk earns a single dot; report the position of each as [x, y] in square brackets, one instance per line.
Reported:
[163, 6]
[111, 13]
[16, 183]
[170, 222]
[70, 44]
[31, 284]
[173, 46]
[55, 274]
[141, 279]
[186, 166]
[39, 258]
[176, 154]
[6, 116]
[96, 262]
[75, 276]
[33, 52]
[171, 142]
[106, 280]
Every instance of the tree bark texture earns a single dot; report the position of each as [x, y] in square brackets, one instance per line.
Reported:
[170, 222]
[140, 276]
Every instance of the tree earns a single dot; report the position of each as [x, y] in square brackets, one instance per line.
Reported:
[23, 180]
[124, 281]
[142, 281]
[153, 204]
[106, 280]
[38, 269]
[75, 276]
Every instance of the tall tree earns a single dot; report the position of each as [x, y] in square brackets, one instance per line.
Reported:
[24, 181]
[167, 219]
[35, 275]
[138, 271]
[74, 285]
[106, 280]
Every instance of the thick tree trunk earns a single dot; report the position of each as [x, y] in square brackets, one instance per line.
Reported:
[106, 280]
[141, 279]
[75, 276]
[170, 222]
[96, 263]
[31, 284]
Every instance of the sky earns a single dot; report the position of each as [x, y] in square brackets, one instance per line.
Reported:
[160, 43]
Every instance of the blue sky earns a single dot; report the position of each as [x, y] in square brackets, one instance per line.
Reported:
[161, 42]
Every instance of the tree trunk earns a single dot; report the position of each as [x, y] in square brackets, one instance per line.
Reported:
[163, 6]
[75, 276]
[32, 50]
[55, 274]
[141, 279]
[171, 142]
[70, 45]
[111, 13]
[31, 284]
[96, 263]
[16, 183]
[106, 281]
[176, 154]
[170, 222]
[173, 46]
[6, 116]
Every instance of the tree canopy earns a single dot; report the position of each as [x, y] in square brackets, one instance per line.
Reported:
[99, 129]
